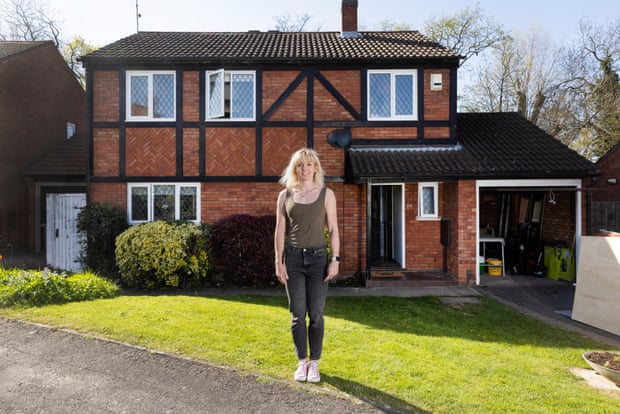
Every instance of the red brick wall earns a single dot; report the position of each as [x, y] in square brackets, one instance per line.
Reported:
[191, 96]
[151, 152]
[385, 133]
[437, 103]
[424, 251]
[105, 148]
[105, 96]
[230, 152]
[559, 219]
[609, 167]
[462, 256]
[114, 193]
[190, 152]
[278, 146]
[347, 83]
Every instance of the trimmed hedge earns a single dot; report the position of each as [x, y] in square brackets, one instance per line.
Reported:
[162, 254]
[243, 250]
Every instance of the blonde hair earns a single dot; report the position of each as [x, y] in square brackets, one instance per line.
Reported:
[289, 177]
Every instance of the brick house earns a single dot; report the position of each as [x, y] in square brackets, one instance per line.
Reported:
[605, 187]
[42, 105]
[199, 126]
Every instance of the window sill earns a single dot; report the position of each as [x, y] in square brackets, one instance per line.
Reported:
[424, 218]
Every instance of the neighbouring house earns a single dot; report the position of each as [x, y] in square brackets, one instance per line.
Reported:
[198, 126]
[606, 192]
[42, 106]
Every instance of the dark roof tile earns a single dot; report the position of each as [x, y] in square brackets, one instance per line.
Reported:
[11, 48]
[67, 159]
[205, 47]
[490, 145]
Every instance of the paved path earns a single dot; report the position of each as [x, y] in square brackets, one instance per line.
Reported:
[44, 370]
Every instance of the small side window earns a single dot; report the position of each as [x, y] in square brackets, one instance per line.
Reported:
[428, 200]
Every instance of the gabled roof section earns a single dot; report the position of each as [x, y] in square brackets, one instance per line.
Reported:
[12, 48]
[66, 160]
[490, 145]
[273, 46]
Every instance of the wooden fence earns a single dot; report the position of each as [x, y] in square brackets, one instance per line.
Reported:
[605, 216]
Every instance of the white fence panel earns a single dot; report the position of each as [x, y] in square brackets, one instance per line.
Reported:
[63, 242]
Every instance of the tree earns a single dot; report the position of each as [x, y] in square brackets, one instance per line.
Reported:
[468, 32]
[519, 75]
[72, 51]
[287, 23]
[28, 20]
[573, 93]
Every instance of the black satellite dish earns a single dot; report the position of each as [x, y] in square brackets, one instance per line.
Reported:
[340, 138]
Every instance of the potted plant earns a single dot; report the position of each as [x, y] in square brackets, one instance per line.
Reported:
[605, 363]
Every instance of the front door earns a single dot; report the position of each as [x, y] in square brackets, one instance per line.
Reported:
[386, 242]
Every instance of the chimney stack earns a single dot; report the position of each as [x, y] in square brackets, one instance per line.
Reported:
[349, 18]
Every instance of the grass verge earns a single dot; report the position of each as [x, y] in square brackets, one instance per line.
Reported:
[416, 354]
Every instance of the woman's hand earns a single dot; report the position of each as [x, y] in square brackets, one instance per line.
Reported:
[281, 273]
[332, 270]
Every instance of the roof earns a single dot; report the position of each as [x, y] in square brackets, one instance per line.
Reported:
[490, 145]
[68, 159]
[8, 49]
[272, 46]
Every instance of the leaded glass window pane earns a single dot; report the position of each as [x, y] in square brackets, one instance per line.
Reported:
[404, 94]
[163, 202]
[379, 95]
[188, 201]
[428, 201]
[242, 96]
[139, 204]
[139, 95]
[163, 96]
[215, 106]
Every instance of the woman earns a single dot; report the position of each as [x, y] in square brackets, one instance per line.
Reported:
[304, 208]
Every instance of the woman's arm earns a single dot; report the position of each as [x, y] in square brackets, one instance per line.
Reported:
[334, 235]
[278, 239]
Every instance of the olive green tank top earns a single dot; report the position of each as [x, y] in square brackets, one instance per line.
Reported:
[305, 222]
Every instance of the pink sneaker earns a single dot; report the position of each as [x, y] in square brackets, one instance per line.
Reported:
[301, 373]
[313, 374]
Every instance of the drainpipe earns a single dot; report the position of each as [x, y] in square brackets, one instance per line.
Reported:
[368, 226]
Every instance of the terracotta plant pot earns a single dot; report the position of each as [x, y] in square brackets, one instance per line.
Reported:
[596, 361]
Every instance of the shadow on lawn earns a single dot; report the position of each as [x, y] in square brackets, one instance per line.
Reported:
[487, 321]
[357, 389]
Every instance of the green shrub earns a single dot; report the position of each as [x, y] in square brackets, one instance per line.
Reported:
[35, 288]
[243, 250]
[101, 223]
[159, 254]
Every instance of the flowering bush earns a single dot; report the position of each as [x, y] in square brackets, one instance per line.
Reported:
[35, 288]
[159, 254]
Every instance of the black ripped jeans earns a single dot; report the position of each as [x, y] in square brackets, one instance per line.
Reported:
[306, 290]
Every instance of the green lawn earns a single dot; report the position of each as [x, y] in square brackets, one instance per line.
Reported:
[415, 354]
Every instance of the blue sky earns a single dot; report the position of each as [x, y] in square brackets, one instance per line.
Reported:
[104, 22]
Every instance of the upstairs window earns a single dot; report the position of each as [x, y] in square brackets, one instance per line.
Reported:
[427, 200]
[151, 96]
[150, 202]
[392, 95]
[231, 95]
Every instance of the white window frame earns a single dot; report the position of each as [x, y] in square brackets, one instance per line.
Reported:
[421, 213]
[150, 194]
[225, 79]
[149, 75]
[414, 95]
